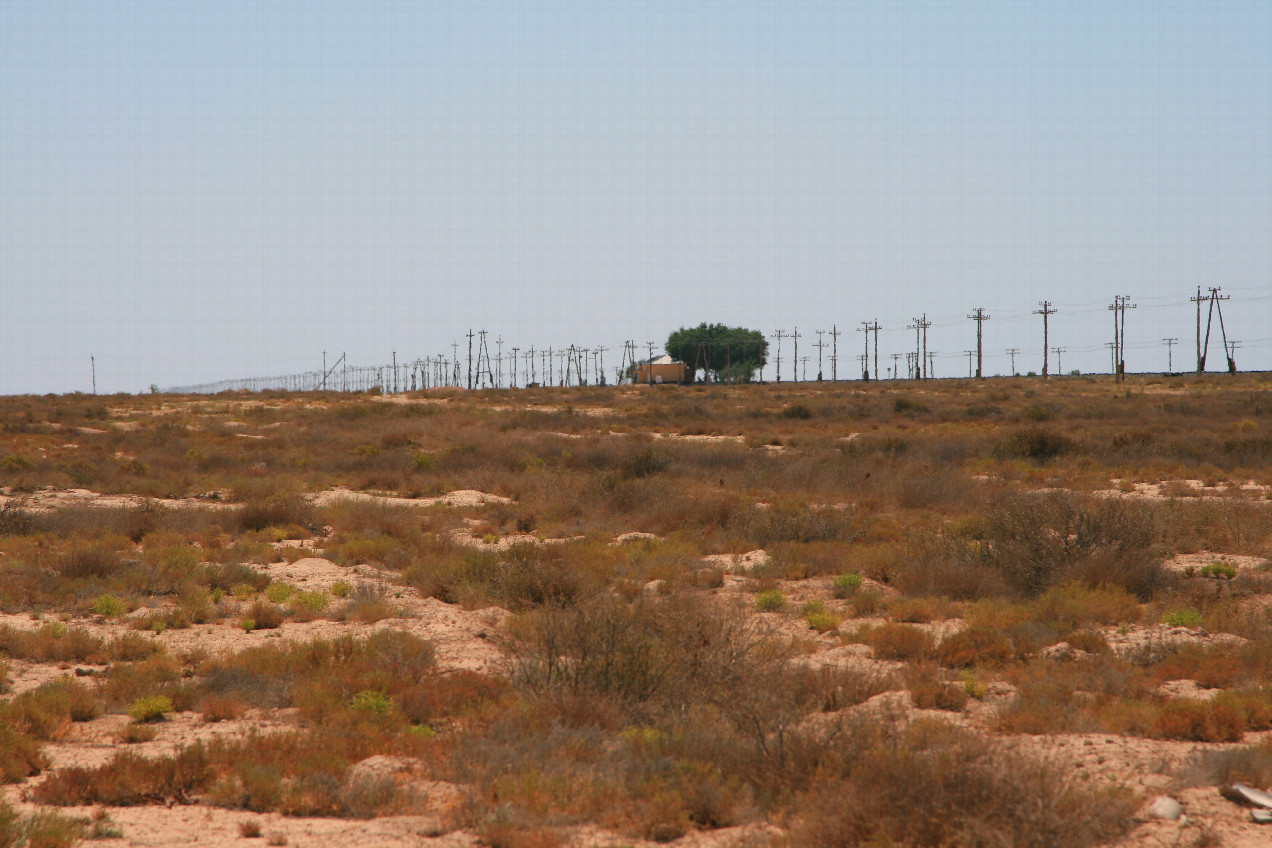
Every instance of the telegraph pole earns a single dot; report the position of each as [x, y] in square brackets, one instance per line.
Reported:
[864, 329]
[512, 376]
[93, 361]
[1012, 351]
[895, 357]
[1119, 307]
[1112, 346]
[1057, 351]
[778, 365]
[1170, 345]
[980, 318]
[795, 358]
[970, 354]
[650, 369]
[1046, 312]
[834, 352]
[470, 359]
[920, 327]
[820, 345]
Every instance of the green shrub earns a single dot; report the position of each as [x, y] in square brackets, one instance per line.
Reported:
[279, 592]
[845, 584]
[1220, 569]
[341, 588]
[770, 600]
[313, 602]
[1186, 617]
[108, 605]
[373, 701]
[150, 708]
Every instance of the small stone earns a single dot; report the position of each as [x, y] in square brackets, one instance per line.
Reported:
[1164, 807]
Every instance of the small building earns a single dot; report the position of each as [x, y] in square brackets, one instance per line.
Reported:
[663, 369]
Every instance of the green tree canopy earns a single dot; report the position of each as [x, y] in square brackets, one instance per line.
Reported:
[725, 354]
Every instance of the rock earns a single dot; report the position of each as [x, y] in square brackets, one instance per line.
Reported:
[1063, 652]
[381, 767]
[1164, 807]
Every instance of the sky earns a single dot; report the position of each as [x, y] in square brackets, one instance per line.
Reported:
[197, 191]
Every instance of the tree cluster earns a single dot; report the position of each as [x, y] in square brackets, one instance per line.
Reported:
[723, 354]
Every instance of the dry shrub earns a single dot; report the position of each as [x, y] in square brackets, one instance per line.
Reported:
[83, 562]
[930, 690]
[899, 642]
[789, 520]
[52, 642]
[264, 615]
[46, 711]
[1037, 541]
[933, 784]
[524, 575]
[369, 603]
[1251, 765]
[128, 780]
[20, 754]
[1215, 720]
[219, 708]
[975, 646]
[669, 650]
[281, 511]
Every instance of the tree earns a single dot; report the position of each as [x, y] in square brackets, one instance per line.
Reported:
[724, 354]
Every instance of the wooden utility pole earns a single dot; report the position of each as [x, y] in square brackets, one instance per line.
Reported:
[970, 354]
[795, 358]
[866, 328]
[1119, 307]
[1012, 351]
[1046, 312]
[895, 358]
[1215, 304]
[920, 327]
[1170, 346]
[93, 361]
[1057, 351]
[651, 363]
[980, 318]
[778, 359]
[820, 345]
[834, 352]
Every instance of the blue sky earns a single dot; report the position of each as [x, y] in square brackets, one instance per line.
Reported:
[201, 190]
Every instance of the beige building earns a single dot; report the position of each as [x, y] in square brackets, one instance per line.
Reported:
[664, 370]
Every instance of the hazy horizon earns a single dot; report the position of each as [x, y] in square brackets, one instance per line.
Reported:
[203, 191]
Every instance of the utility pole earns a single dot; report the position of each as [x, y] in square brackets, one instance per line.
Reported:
[931, 364]
[980, 318]
[1046, 312]
[512, 372]
[920, 327]
[1119, 307]
[499, 362]
[795, 358]
[834, 352]
[895, 357]
[778, 361]
[1057, 351]
[470, 359]
[93, 361]
[1215, 299]
[820, 345]
[864, 329]
[805, 361]
[970, 354]
[1012, 351]
[650, 369]
[1112, 346]
[1170, 345]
